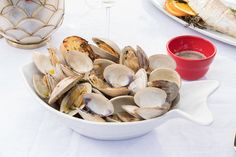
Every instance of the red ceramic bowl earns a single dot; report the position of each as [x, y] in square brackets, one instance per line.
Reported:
[187, 68]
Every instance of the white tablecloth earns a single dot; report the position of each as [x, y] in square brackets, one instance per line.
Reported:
[27, 129]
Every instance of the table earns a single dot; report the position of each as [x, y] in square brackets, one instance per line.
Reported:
[28, 130]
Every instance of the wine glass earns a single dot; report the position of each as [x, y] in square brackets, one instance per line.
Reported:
[107, 4]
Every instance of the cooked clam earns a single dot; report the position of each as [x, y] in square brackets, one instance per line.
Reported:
[105, 88]
[51, 82]
[166, 75]
[126, 117]
[98, 104]
[161, 61]
[150, 97]
[100, 65]
[62, 87]
[43, 63]
[41, 86]
[119, 101]
[74, 98]
[140, 81]
[131, 109]
[148, 113]
[134, 59]
[68, 71]
[118, 75]
[77, 44]
[90, 117]
[113, 118]
[106, 49]
[170, 88]
[79, 62]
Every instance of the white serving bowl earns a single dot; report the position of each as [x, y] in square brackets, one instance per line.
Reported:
[192, 106]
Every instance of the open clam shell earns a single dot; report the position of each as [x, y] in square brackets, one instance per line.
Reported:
[166, 75]
[107, 45]
[77, 44]
[126, 117]
[148, 113]
[129, 58]
[119, 101]
[171, 88]
[134, 59]
[51, 82]
[113, 92]
[40, 86]
[118, 75]
[79, 62]
[103, 54]
[131, 109]
[90, 117]
[43, 63]
[161, 61]
[98, 104]
[140, 81]
[100, 65]
[68, 71]
[143, 59]
[105, 88]
[150, 97]
[62, 87]
[74, 98]
[113, 118]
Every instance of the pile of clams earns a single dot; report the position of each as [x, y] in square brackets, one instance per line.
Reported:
[102, 83]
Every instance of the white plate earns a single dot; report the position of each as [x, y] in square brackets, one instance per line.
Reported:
[213, 34]
[192, 106]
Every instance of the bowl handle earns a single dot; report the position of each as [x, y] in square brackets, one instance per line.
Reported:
[193, 102]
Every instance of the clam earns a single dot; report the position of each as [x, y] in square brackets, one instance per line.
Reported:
[126, 117]
[166, 75]
[140, 81]
[118, 75]
[90, 117]
[53, 56]
[161, 61]
[175, 101]
[131, 109]
[106, 49]
[94, 90]
[43, 63]
[62, 87]
[170, 88]
[77, 44]
[148, 113]
[50, 81]
[105, 88]
[68, 71]
[74, 98]
[134, 59]
[113, 118]
[150, 97]
[113, 92]
[129, 58]
[58, 73]
[100, 65]
[79, 62]
[98, 104]
[40, 86]
[119, 101]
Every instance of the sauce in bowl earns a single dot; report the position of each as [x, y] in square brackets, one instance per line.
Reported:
[193, 55]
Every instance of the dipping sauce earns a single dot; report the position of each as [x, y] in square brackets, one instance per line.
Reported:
[194, 55]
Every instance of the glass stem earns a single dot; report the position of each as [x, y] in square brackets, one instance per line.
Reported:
[108, 18]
